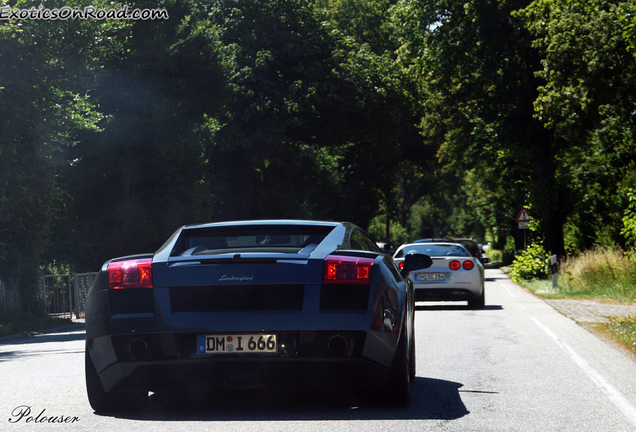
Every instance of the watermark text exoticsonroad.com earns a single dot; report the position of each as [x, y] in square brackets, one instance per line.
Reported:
[88, 12]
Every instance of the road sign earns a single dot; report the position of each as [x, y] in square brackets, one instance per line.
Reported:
[524, 216]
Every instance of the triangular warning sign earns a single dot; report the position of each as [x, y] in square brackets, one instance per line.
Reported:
[524, 216]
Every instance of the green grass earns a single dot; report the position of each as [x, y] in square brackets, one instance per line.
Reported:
[15, 322]
[600, 274]
[623, 330]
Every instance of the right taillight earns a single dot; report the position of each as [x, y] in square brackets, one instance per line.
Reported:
[468, 265]
[135, 273]
[455, 265]
[346, 270]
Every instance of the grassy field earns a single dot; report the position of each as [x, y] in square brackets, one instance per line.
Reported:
[15, 322]
[607, 275]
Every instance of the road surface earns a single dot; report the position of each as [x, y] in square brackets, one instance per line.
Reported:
[517, 365]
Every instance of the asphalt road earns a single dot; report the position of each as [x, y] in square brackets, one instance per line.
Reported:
[517, 365]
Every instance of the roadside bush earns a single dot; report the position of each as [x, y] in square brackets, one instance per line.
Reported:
[629, 220]
[496, 256]
[533, 263]
[377, 230]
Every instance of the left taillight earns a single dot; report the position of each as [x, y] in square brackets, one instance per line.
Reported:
[347, 270]
[136, 273]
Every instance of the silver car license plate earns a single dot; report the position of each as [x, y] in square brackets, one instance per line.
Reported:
[237, 344]
[429, 277]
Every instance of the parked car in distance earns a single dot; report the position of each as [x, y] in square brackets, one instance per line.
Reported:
[471, 246]
[252, 304]
[455, 275]
[483, 257]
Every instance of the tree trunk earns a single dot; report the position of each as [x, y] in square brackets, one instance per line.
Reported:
[548, 194]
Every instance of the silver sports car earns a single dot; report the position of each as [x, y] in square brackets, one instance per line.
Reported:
[454, 276]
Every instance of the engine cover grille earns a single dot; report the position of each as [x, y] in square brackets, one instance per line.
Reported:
[237, 298]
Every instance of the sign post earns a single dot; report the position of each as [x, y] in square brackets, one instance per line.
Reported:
[523, 219]
[553, 270]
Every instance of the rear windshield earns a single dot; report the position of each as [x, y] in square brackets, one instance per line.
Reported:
[433, 250]
[253, 238]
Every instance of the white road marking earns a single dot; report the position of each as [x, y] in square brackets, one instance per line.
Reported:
[626, 407]
[508, 289]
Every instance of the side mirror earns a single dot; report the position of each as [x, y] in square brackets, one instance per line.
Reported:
[415, 261]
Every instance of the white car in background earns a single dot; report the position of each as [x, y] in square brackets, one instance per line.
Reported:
[454, 276]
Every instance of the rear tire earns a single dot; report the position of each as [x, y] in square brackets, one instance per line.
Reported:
[399, 385]
[102, 401]
[479, 302]
[412, 359]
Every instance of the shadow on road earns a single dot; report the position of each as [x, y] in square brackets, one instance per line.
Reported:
[496, 278]
[20, 347]
[63, 334]
[454, 307]
[430, 399]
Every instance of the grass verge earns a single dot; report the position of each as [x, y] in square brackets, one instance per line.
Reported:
[601, 274]
[15, 322]
[623, 330]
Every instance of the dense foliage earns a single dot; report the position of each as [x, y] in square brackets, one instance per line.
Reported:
[532, 263]
[415, 118]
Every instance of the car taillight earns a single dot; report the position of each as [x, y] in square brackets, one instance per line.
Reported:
[401, 265]
[455, 265]
[468, 265]
[346, 270]
[136, 273]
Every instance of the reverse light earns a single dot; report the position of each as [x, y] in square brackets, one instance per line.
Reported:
[455, 265]
[136, 273]
[468, 265]
[346, 270]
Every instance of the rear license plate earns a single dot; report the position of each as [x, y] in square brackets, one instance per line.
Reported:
[429, 277]
[237, 344]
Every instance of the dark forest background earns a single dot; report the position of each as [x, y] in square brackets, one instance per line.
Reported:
[411, 118]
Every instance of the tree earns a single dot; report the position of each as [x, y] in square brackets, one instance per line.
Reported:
[317, 123]
[366, 21]
[588, 100]
[477, 65]
[43, 99]
[143, 174]
[388, 96]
